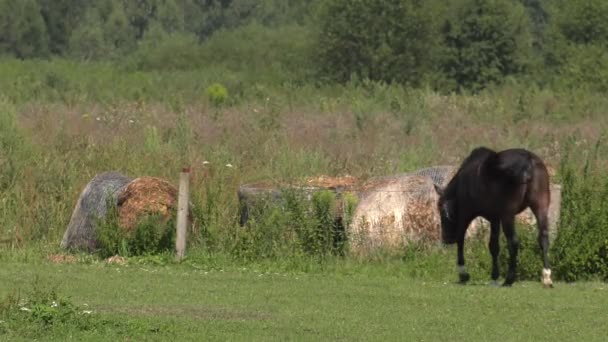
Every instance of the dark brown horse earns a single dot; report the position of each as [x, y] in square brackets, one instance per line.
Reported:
[496, 186]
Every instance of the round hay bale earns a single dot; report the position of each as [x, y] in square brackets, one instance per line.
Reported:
[440, 175]
[91, 205]
[255, 196]
[144, 196]
[393, 211]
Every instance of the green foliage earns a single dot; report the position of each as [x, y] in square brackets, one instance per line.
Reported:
[583, 21]
[86, 41]
[485, 41]
[282, 54]
[152, 235]
[381, 40]
[39, 311]
[292, 225]
[160, 50]
[217, 94]
[577, 45]
[581, 247]
[22, 29]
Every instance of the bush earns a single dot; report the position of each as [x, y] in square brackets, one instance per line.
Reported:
[217, 94]
[381, 40]
[159, 50]
[151, 235]
[581, 248]
[292, 225]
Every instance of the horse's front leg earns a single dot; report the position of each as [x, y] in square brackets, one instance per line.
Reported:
[463, 275]
[508, 226]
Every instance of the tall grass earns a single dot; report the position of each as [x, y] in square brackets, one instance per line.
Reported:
[63, 122]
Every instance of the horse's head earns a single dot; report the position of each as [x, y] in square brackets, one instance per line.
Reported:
[447, 213]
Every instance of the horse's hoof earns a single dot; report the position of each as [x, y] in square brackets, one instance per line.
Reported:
[548, 286]
[508, 282]
[494, 283]
[464, 277]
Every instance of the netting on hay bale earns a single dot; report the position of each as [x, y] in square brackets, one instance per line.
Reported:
[391, 212]
[134, 198]
[91, 205]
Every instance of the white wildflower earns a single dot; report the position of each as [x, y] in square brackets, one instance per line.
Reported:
[23, 308]
[87, 312]
[205, 162]
[229, 165]
[54, 304]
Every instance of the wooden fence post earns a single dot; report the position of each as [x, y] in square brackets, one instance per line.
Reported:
[182, 213]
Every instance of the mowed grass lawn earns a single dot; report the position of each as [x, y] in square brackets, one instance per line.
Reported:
[190, 303]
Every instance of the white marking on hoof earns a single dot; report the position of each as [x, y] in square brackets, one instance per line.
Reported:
[494, 283]
[547, 282]
[462, 269]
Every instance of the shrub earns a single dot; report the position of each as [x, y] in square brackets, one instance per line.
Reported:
[581, 247]
[151, 235]
[292, 225]
[217, 94]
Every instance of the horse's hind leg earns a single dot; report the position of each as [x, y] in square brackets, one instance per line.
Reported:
[494, 247]
[508, 226]
[543, 240]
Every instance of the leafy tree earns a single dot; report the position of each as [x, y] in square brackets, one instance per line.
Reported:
[576, 52]
[383, 40]
[117, 33]
[485, 41]
[22, 29]
[60, 18]
[87, 40]
[583, 21]
[170, 15]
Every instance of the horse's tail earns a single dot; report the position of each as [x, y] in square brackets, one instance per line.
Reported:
[517, 168]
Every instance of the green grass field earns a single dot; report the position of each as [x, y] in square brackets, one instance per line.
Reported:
[63, 122]
[190, 302]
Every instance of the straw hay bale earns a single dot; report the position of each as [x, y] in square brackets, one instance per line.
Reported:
[391, 212]
[143, 196]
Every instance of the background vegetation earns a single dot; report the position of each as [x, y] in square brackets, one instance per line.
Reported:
[283, 89]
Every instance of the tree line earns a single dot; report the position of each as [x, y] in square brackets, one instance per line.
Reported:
[448, 44]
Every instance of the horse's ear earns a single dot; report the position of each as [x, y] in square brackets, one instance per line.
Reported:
[438, 189]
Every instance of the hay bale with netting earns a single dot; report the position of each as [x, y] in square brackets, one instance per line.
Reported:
[392, 212]
[102, 190]
[134, 199]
